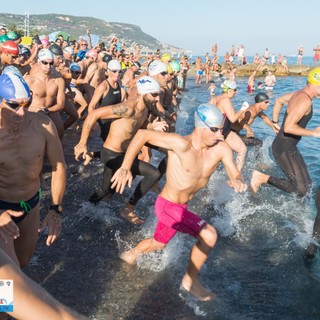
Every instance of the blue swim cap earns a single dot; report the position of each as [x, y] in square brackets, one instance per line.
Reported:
[13, 87]
[74, 66]
[207, 115]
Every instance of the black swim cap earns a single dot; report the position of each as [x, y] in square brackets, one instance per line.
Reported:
[56, 50]
[107, 58]
[260, 97]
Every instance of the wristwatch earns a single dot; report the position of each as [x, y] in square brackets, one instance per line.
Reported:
[57, 208]
[45, 110]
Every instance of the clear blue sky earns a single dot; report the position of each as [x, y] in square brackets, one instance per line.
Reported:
[281, 26]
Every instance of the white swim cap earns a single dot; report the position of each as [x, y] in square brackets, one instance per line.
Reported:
[114, 65]
[45, 54]
[147, 84]
[156, 67]
[208, 115]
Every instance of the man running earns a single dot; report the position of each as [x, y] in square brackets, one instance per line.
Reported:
[191, 161]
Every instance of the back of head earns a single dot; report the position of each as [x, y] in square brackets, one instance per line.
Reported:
[207, 115]
[261, 97]
[74, 66]
[12, 69]
[228, 84]
[166, 57]
[12, 87]
[107, 58]
[56, 50]
[10, 47]
[147, 84]
[314, 76]
[3, 38]
[92, 53]
[175, 65]
[12, 35]
[156, 67]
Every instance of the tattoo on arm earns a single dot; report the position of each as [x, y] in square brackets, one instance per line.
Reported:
[119, 110]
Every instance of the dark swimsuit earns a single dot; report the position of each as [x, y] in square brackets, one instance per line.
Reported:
[25, 206]
[290, 160]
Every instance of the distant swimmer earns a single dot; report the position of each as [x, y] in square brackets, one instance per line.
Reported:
[270, 81]
[284, 147]
[192, 160]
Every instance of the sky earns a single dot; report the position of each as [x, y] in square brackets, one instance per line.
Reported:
[281, 26]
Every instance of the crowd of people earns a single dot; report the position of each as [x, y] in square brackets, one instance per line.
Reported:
[51, 87]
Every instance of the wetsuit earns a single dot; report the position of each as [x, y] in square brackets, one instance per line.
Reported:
[112, 162]
[290, 160]
[226, 126]
[112, 97]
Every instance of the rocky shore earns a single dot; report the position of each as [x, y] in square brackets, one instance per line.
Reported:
[246, 70]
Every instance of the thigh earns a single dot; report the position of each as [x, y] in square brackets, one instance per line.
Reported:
[26, 243]
[235, 142]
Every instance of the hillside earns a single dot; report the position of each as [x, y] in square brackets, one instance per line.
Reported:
[129, 34]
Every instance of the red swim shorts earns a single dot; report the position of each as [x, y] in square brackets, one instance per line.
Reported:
[173, 217]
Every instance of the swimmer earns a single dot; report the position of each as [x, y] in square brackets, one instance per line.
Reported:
[284, 147]
[192, 160]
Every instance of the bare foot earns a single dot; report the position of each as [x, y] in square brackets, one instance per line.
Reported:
[257, 179]
[89, 156]
[128, 214]
[128, 256]
[196, 289]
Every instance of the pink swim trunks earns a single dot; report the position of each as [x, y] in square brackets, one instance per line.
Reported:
[175, 217]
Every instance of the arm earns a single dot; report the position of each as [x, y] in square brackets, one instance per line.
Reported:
[230, 112]
[89, 39]
[278, 105]
[169, 141]
[111, 112]
[236, 180]
[58, 180]
[97, 95]
[60, 97]
[31, 301]
[273, 126]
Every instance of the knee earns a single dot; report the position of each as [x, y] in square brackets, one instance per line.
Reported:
[209, 236]
[157, 245]
[302, 190]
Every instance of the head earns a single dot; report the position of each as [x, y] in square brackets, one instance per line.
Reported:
[45, 60]
[136, 66]
[262, 99]
[114, 70]
[15, 96]
[175, 65]
[75, 70]
[208, 118]
[57, 53]
[10, 52]
[229, 87]
[149, 88]
[92, 55]
[68, 52]
[158, 70]
[83, 45]
[166, 58]
[314, 80]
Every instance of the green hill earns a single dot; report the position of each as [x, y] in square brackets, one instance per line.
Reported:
[129, 34]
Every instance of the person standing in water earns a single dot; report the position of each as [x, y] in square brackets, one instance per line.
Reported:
[191, 161]
[284, 147]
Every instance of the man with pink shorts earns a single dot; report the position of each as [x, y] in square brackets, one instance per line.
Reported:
[191, 161]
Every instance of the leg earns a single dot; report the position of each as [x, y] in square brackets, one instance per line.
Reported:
[236, 144]
[199, 253]
[71, 110]
[144, 246]
[26, 243]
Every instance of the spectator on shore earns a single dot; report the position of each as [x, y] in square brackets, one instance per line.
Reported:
[300, 55]
[316, 56]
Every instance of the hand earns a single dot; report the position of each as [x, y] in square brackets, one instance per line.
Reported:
[52, 222]
[245, 105]
[88, 31]
[276, 128]
[316, 132]
[238, 185]
[159, 125]
[7, 227]
[80, 149]
[120, 179]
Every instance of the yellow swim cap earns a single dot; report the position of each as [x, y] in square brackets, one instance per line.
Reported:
[165, 57]
[314, 76]
[170, 70]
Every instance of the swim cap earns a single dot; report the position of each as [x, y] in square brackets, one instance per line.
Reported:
[75, 66]
[12, 69]
[114, 65]
[175, 65]
[3, 38]
[56, 50]
[12, 35]
[147, 84]
[228, 84]
[10, 47]
[207, 115]
[24, 50]
[314, 76]
[45, 54]
[44, 41]
[107, 58]
[92, 53]
[69, 50]
[13, 87]
[165, 57]
[156, 67]
[260, 97]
